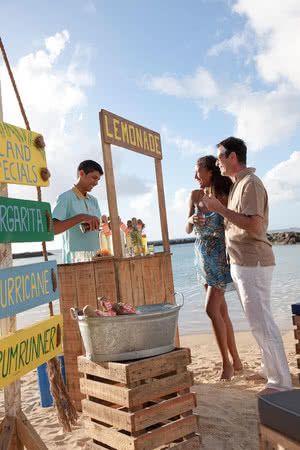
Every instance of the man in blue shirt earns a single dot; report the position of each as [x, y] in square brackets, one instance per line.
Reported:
[76, 206]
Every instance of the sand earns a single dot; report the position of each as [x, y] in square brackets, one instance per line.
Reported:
[227, 410]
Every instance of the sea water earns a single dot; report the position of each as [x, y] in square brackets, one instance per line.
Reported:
[192, 317]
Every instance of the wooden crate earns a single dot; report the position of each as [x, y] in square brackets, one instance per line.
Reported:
[296, 322]
[138, 281]
[141, 405]
[272, 440]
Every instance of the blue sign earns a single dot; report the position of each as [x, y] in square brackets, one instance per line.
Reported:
[25, 287]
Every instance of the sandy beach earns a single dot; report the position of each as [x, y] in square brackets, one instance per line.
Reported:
[227, 410]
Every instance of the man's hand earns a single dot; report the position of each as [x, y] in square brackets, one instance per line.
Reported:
[213, 204]
[93, 221]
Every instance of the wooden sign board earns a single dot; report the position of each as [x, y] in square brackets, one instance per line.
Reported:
[25, 221]
[20, 159]
[27, 349]
[123, 133]
[25, 287]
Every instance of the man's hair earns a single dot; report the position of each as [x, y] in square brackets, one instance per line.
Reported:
[236, 145]
[89, 166]
[220, 184]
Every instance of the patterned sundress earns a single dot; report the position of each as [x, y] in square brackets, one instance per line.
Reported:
[210, 256]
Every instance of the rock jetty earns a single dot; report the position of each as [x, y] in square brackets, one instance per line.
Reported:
[276, 237]
[284, 237]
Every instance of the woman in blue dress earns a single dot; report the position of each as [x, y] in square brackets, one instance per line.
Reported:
[210, 258]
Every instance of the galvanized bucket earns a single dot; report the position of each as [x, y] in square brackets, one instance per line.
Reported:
[149, 332]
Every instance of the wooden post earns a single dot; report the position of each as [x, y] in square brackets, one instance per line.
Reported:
[111, 197]
[12, 393]
[162, 206]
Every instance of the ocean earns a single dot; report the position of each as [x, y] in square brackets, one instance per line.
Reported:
[192, 317]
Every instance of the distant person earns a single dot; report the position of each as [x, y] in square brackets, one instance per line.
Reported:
[251, 258]
[212, 268]
[76, 206]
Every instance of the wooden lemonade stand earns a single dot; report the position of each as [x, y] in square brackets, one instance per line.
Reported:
[124, 399]
[138, 280]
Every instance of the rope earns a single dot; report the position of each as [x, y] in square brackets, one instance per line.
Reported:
[67, 414]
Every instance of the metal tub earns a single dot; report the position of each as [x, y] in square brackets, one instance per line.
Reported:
[149, 332]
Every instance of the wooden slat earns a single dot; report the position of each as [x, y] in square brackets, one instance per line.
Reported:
[85, 285]
[298, 348]
[163, 410]
[167, 433]
[159, 388]
[27, 434]
[296, 321]
[138, 293]
[115, 417]
[162, 205]
[159, 282]
[109, 436]
[137, 370]
[105, 279]
[103, 391]
[147, 441]
[298, 363]
[124, 279]
[110, 370]
[273, 437]
[158, 365]
[137, 395]
[149, 281]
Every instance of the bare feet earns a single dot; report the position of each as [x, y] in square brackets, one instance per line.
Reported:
[227, 373]
[238, 366]
[255, 377]
[267, 391]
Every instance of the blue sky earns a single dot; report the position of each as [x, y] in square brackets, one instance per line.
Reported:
[195, 71]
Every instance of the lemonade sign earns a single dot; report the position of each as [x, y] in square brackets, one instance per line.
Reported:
[21, 159]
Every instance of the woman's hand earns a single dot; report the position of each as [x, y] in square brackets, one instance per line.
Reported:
[197, 219]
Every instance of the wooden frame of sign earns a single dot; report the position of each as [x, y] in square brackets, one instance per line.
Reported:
[121, 132]
[23, 287]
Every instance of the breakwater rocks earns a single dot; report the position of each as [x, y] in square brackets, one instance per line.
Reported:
[284, 237]
[276, 237]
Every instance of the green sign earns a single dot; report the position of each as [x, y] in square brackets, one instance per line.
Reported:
[25, 221]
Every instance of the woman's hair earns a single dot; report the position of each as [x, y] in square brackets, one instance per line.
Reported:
[220, 185]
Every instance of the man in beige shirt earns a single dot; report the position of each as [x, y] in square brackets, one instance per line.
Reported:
[251, 257]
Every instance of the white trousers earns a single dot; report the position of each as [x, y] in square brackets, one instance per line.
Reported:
[253, 285]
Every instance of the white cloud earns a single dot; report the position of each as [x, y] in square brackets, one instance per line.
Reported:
[55, 44]
[283, 182]
[277, 27]
[263, 118]
[200, 85]
[186, 146]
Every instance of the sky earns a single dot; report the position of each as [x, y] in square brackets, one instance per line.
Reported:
[196, 72]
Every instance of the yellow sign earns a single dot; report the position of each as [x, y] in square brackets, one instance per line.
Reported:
[121, 132]
[27, 349]
[21, 156]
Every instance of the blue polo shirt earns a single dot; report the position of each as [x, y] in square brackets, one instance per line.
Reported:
[70, 204]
